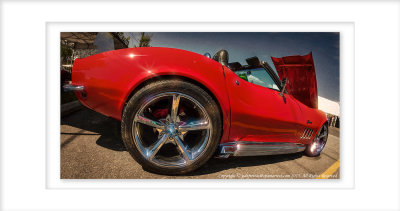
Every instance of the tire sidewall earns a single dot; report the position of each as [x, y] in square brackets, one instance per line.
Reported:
[308, 151]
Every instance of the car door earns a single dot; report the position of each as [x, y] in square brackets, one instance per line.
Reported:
[258, 112]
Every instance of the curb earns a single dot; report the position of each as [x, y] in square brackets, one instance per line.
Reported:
[71, 107]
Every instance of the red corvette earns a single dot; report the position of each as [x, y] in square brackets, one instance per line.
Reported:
[178, 108]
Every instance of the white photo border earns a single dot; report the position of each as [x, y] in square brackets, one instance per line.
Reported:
[53, 98]
[23, 180]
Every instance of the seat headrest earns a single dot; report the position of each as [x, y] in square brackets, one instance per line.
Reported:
[222, 57]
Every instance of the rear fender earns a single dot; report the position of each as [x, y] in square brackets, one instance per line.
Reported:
[109, 78]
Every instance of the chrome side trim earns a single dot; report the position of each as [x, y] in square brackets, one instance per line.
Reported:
[247, 148]
[70, 87]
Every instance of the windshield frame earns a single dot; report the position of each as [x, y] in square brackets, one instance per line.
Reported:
[273, 75]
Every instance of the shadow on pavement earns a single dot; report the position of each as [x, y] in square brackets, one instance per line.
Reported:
[90, 121]
[217, 164]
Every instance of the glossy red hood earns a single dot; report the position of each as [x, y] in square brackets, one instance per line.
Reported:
[300, 73]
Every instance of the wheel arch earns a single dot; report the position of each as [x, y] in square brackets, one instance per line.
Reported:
[319, 127]
[170, 77]
[225, 115]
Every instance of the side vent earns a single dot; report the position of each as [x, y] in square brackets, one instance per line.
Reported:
[307, 133]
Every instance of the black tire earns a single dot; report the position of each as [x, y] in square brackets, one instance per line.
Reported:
[139, 100]
[313, 151]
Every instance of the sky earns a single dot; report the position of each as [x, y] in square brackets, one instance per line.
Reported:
[242, 45]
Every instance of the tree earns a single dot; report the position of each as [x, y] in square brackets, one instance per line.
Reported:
[144, 40]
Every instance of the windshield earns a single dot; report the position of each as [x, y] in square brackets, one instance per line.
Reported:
[258, 76]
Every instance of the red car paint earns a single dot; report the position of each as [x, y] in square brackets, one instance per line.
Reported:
[300, 72]
[250, 112]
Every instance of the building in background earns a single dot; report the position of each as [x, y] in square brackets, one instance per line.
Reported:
[331, 109]
[83, 44]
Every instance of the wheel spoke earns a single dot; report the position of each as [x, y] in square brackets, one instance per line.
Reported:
[322, 135]
[156, 147]
[195, 125]
[182, 134]
[149, 122]
[172, 130]
[186, 155]
[175, 105]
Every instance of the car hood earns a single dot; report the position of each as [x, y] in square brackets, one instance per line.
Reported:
[300, 74]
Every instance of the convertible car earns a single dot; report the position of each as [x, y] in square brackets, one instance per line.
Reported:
[178, 108]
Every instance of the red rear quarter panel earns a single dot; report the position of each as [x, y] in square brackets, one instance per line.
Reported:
[110, 77]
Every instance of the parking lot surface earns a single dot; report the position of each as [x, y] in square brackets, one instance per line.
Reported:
[92, 148]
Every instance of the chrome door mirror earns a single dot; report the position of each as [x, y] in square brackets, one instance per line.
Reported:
[284, 82]
[208, 55]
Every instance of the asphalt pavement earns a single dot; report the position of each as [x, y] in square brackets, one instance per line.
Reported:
[92, 148]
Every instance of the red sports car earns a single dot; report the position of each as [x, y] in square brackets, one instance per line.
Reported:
[178, 108]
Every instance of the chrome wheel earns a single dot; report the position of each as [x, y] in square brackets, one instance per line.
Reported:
[171, 129]
[319, 141]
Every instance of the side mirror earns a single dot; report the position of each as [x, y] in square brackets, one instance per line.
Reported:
[208, 55]
[284, 82]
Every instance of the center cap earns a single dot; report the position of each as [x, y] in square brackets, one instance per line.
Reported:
[171, 129]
